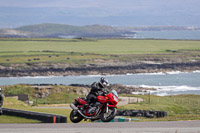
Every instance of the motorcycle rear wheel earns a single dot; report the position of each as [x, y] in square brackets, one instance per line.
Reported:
[106, 117]
[75, 117]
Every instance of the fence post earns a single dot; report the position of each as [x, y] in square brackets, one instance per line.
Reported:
[149, 97]
[36, 99]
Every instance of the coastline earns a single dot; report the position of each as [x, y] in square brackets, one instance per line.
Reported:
[161, 84]
[99, 70]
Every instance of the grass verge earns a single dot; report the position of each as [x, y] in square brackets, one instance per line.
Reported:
[179, 107]
[57, 94]
[13, 119]
[16, 104]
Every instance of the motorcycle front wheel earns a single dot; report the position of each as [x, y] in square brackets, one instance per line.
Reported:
[106, 117]
[75, 117]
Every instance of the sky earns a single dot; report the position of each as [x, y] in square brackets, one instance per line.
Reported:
[15, 13]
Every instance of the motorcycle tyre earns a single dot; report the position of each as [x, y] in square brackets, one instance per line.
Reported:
[114, 112]
[78, 119]
[1, 112]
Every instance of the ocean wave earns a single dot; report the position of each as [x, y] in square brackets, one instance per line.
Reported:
[170, 90]
[197, 71]
[40, 77]
[162, 94]
[160, 73]
[85, 76]
[32, 77]
[175, 72]
[95, 76]
[156, 73]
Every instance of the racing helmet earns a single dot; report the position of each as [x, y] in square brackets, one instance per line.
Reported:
[103, 82]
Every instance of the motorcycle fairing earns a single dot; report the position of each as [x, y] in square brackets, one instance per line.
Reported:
[81, 101]
[102, 99]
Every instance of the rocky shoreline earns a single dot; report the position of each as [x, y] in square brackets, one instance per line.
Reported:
[98, 70]
[44, 90]
[121, 89]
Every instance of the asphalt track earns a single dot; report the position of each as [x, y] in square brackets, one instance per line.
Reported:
[117, 127]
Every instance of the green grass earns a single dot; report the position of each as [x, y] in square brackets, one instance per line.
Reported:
[115, 46]
[15, 104]
[13, 119]
[179, 107]
[56, 94]
[51, 58]
[59, 95]
[87, 51]
[177, 117]
[57, 98]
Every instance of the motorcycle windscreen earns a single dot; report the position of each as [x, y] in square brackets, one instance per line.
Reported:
[101, 99]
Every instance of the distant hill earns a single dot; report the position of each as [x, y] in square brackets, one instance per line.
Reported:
[49, 30]
[62, 30]
[67, 29]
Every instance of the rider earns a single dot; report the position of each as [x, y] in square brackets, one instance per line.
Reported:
[97, 88]
[1, 101]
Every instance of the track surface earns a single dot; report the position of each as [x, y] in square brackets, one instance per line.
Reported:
[117, 127]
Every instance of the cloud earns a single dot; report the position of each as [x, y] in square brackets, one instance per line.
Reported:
[110, 11]
[126, 5]
[69, 3]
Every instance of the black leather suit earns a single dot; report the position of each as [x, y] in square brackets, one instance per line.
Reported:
[96, 90]
[1, 103]
[1, 100]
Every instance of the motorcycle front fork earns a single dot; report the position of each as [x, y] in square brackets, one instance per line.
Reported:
[107, 108]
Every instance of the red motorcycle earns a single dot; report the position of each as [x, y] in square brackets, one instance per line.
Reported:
[105, 108]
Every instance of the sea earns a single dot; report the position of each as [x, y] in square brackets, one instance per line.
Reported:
[171, 34]
[166, 34]
[170, 83]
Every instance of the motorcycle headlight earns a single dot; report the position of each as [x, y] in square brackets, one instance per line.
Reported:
[116, 99]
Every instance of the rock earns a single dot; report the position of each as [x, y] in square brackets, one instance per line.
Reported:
[44, 69]
[121, 89]
[44, 90]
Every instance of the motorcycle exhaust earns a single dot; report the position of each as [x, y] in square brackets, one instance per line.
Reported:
[76, 109]
[73, 107]
[84, 115]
